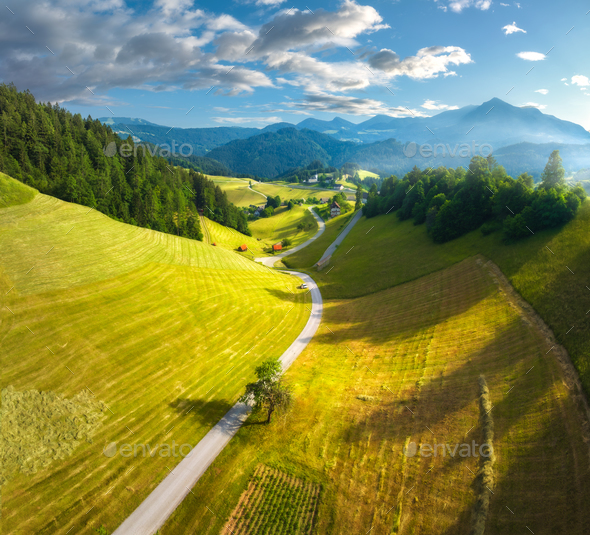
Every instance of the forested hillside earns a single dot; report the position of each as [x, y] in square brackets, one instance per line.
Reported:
[63, 155]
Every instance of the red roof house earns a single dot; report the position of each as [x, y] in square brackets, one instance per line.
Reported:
[243, 247]
[277, 247]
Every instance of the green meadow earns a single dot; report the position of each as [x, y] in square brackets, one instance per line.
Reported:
[402, 365]
[283, 224]
[157, 328]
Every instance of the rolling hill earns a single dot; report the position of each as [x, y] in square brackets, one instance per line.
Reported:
[401, 366]
[155, 327]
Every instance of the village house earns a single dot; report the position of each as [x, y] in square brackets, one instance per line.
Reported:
[334, 209]
[338, 187]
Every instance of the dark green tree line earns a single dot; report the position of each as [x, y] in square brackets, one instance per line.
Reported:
[83, 161]
[453, 202]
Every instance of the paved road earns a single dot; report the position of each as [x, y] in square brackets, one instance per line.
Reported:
[167, 496]
[270, 261]
[330, 250]
[253, 190]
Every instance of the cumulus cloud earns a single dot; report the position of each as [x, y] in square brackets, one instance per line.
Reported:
[434, 105]
[542, 91]
[533, 105]
[459, 5]
[531, 56]
[512, 28]
[580, 80]
[427, 63]
[172, 45]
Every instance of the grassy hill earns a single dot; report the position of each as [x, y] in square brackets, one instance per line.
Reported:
[232, 239]
[13, 192]
[551, 269]
[157, 327]
[238, 191]
[402, 365]
[287, 193]
[283, 224]
[309, 255]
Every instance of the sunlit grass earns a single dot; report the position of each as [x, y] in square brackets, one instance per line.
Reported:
[403, 365]
[152, 325]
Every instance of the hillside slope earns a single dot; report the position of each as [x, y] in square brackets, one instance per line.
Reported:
[157, 327]
[402, 365]
[551, 269]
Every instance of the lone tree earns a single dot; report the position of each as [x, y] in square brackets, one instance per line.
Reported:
[359, 197]
[268, 392]
[554, 173]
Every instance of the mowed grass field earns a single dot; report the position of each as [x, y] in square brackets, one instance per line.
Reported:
[159, 328]
[288, 193]
[551, 269]
[238, 191]
[402, 365]
[283, 224]
[232, 239]
[309, 255]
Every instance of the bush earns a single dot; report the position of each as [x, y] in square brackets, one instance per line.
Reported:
[287, 242]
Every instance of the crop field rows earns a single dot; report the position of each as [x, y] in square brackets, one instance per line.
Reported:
[275, 503]
[167, 347]
[400, 366]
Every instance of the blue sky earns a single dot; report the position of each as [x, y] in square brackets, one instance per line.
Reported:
[254, 62]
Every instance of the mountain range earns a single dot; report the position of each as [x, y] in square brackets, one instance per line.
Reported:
[521, 139]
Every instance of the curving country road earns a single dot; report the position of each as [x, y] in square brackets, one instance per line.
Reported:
[269, 261]
[153, 512]
[167, 496]
[330, 250]
[254, 191]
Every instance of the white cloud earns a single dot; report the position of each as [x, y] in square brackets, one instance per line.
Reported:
[512, 28]
[459, 5]
[246, 120]
[505, 5]
[542, 91]
[171, 46]
[533, 105]
[427, 63]
[531, 56]
[564, 79]
[580, 80]
[433, 105]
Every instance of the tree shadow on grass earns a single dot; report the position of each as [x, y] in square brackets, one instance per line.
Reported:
[202, 411]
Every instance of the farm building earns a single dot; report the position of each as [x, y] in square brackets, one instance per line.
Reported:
[334, 209]
[338, 187]
[243, 247]
[324, 200]
[277, 247]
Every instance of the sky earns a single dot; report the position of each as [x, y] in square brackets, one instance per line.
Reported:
[191, 64]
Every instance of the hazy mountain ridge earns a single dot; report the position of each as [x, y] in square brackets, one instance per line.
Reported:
[521, 138]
